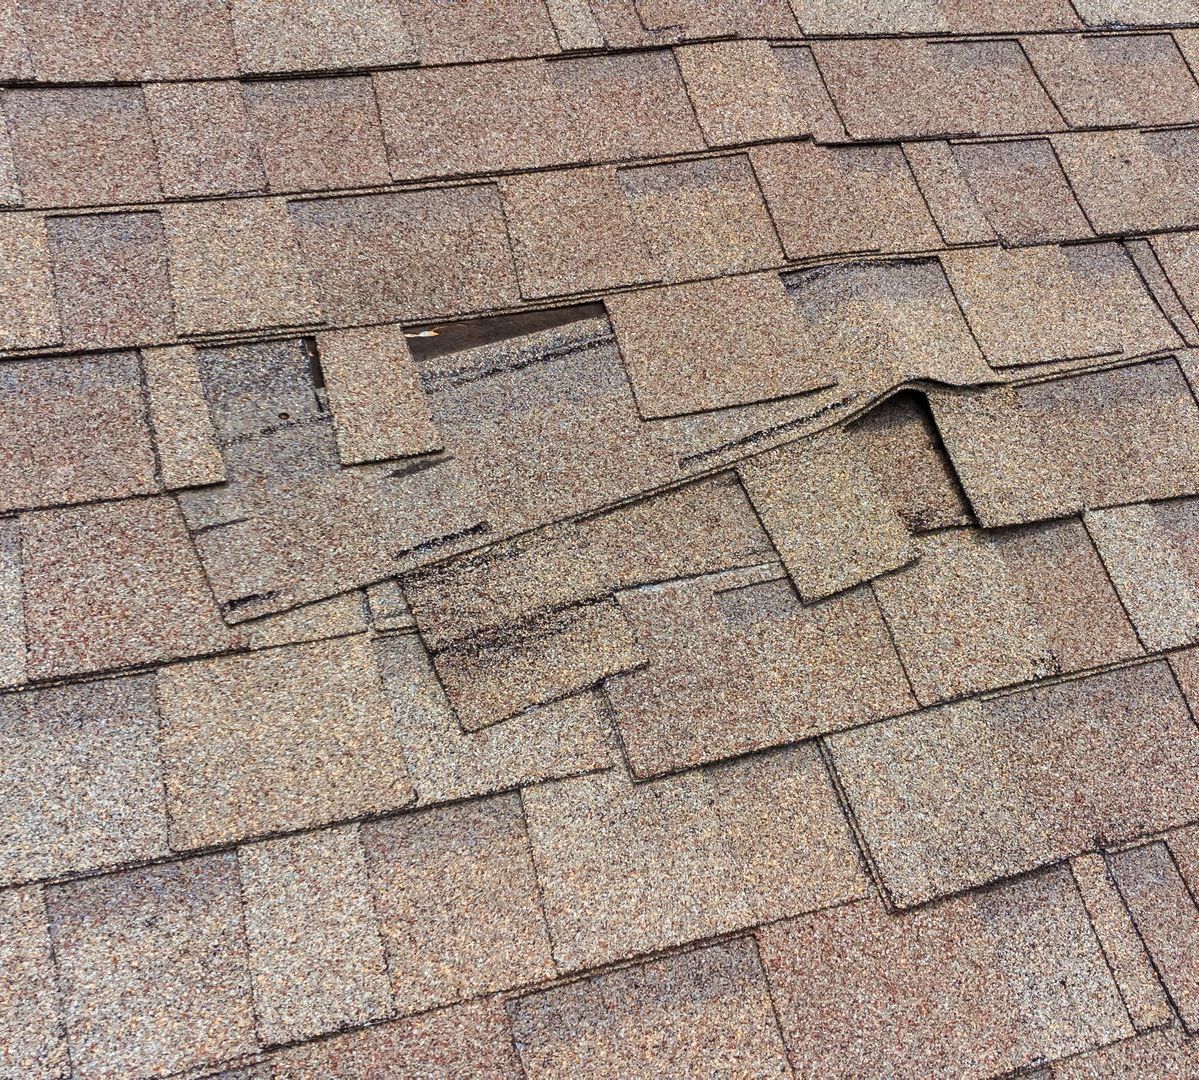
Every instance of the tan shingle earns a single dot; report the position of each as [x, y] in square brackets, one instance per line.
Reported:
[152, 965]
[12, 613]
[576, 24]
[1178, 254]
[841, 17]
[275, 740]
[947, 191]
[28, 313]
[16, 64]
[984, 17]
[188, 454]
[479, 30]
[1137, 12]
[718, 18]
[1157, 1053]
[32, 1045]
[458, 902]
[961, 795]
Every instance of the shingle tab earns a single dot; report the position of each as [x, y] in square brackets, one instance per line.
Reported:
[717, 18]
[947, 191]
[478, 30]
[188, 454]
[12, 608]
[28, 313]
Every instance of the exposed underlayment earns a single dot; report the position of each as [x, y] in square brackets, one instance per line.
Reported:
[599, 538]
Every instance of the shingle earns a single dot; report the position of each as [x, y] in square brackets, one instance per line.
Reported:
[947, 191]
[81, 779]
[112, 281]
[1149, 550]
[1178, 254]
[1123, 79]
[1126, 956]
[32, 1046]
[573, 232]
[839, 18]
[713, 344]
[628, 106]
[318, 134]
[576, 24]
[316, 956]
[10, 189]
[1137, 12]
[705, 18]
[75, 40]
[12, 613]
[1087, 441]
[628, 868]
[319, 35]
[910, 89]
[203, 137]
[335, 616]
[538, 662]
[28, 313]
[1166, 918]
[1150, 268]
[379, 408]
[816, 109]
[235, 265]
[1022, 190]
[113, 585]
[458, 902]
[1167, 1052]
[482, 118]
[445, 763]
[16, 64]
[73, 430]
[705, 1012]
[152, 965]
[479, 30]
[826, 514]
[975, 987]
[983, 17]
[960, 795]
[742, 93]
[188, 454]
[1186, 669]
[736, 663]
[407, 254]
[275, 740]
[897, 321]
[1056, 303]
[465, 1042]
[82, 146]
[701, 218]
[841, 200]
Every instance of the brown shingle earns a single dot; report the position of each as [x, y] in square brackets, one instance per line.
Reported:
[32, 1045]
[82, 146]
[1022, 190]
[627, 868]
[16, 64]
[703, 1013]
[702, 218]
[111, 275]
[114, 585]
[573, 232]
[81, 779]
[316, 956]
[971, 988]
[316, 134]
[235, 265]
[1086, 441]
[152, 965]
[475, 119]
[458, 902]
[73, 430]
[478, 30]
[319, 35]
[188, 454]
[28, 313]
[841, 200]
[945, 188]
[960, 795]
[203, 138]
[718, 18]
[1123, 79]
[279, 739]
[910, 89]
[712, 344]
[628, 106]
[407, 254]
[379, 408]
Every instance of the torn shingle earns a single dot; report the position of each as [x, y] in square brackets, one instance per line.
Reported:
[946, 189]
[843, 200]
[82, 781]
[203, 137]
[188, 454]
[280, 739]
[32, 1043]
[975, 987]
[407, 254]
[112, 281]
[475, 119]
[315, 953]
[458, 902]
[82, 146]
[235, 265]
[573, 232]
[478, 30]
[964, 794]
[28, 312]
[114, 585]
[73, 430]
[706, 1012]
[318, 134]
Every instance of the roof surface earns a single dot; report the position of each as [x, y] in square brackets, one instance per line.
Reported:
[599, 538]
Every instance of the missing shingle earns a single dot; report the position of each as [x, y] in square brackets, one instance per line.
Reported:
[430, 342]
[481, 528]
